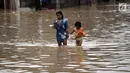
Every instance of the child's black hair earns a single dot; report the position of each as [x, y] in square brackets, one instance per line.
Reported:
[60, 12]
[78, 24]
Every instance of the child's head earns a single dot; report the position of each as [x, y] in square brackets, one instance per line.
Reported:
[59, 15]
[78, 25]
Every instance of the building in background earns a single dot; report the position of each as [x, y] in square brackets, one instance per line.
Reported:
[38, 4]
[9, 4]
[49, 4]
[1, 3]
[112, 1]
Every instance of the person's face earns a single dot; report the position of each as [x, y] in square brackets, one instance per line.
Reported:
[59, 16]
[77, 27]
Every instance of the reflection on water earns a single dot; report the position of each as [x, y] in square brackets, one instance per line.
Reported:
[28, 45]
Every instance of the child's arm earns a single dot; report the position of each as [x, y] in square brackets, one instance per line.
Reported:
[83, 33]
[72, 32]
[67, 27]
[67, 33]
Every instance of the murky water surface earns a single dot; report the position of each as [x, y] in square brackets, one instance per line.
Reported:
[28, 45]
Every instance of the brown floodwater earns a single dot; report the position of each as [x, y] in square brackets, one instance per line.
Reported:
[28, 44]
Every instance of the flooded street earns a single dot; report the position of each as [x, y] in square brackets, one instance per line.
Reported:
[28, 43]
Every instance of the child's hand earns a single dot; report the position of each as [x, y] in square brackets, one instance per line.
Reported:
[80, 34]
